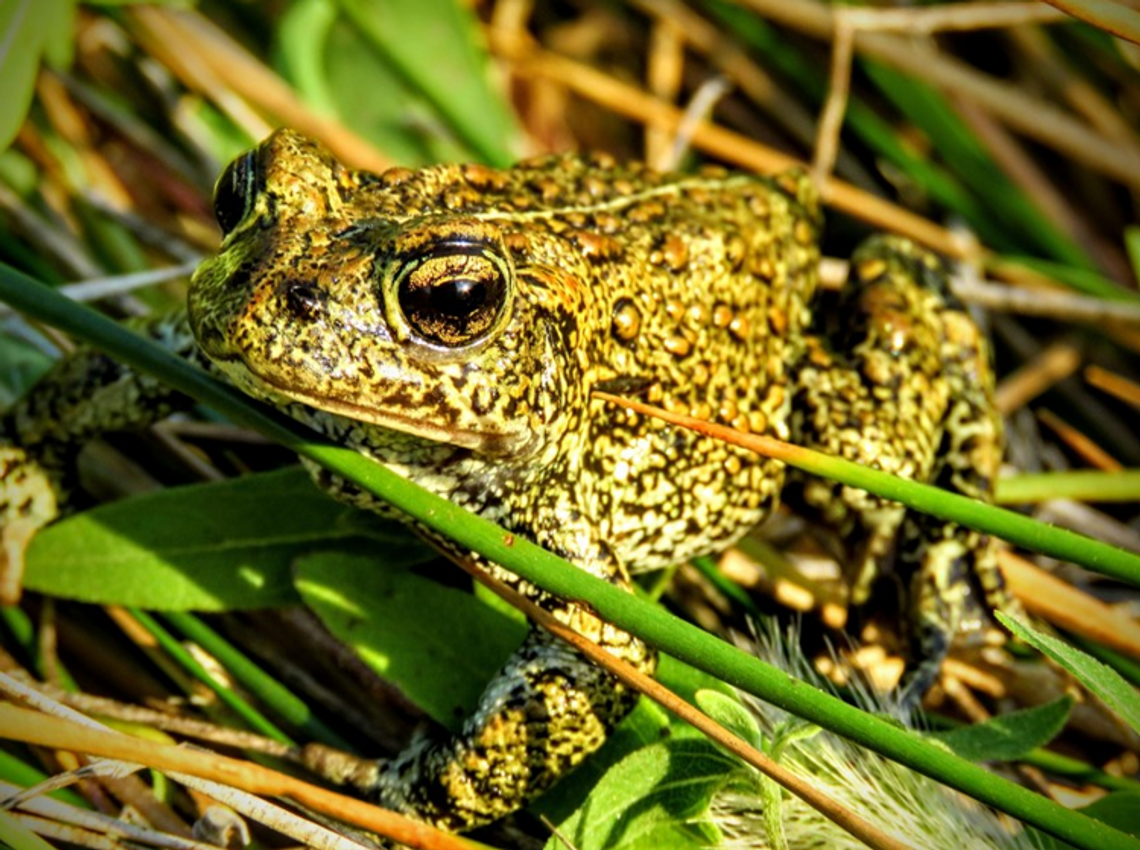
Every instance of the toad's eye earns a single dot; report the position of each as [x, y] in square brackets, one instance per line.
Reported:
[235, 191]
[453, 295]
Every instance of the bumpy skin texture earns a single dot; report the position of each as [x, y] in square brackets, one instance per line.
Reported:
[452, 322]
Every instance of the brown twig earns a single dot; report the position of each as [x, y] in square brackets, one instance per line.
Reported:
[1054, 364]
[831, 119]
[31, 727]
[1116, 385]
[1080, 443]
[1115, 18]
[1068, 607]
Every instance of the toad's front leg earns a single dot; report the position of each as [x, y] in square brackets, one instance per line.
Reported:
[542, 714]
[86, 394]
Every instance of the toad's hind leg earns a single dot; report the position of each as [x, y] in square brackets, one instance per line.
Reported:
[904, 384]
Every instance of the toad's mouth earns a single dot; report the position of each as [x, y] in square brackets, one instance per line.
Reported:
[266, 387]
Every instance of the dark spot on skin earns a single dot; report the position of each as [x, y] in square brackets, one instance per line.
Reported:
[483, 400]
[624, 385]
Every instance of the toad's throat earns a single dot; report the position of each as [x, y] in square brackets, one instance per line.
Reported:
[414, 422]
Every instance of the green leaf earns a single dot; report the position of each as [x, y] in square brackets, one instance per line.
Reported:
[1011, 736]
[19, 836]
[23, 30]
[1120, 809]
[59, 39]
[338, 69]
[1099, 678]
[21, 365]
[206, 547]
[1132, 247]
[455, 81]
[653, 798]
[731, 714]
[439, 645]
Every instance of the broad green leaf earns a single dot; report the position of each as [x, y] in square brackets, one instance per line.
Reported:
[205, 547]
[1120, 809]
[1099, 678]
[59, 39]
[300, 36]
[653, 798]
[434, 46]
[339, 70]
[439, 645]
[1011, 736]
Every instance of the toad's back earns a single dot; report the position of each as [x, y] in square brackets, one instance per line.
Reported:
[688, 291]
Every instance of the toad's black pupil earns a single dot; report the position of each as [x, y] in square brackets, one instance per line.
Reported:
[458, 297]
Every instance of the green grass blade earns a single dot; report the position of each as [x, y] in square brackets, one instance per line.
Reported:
[456, 80]
[279, 699]
[256, 720]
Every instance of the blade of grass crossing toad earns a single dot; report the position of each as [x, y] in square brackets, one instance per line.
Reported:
[926, 498]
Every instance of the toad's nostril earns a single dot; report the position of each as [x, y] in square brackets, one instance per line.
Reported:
[303, 299]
